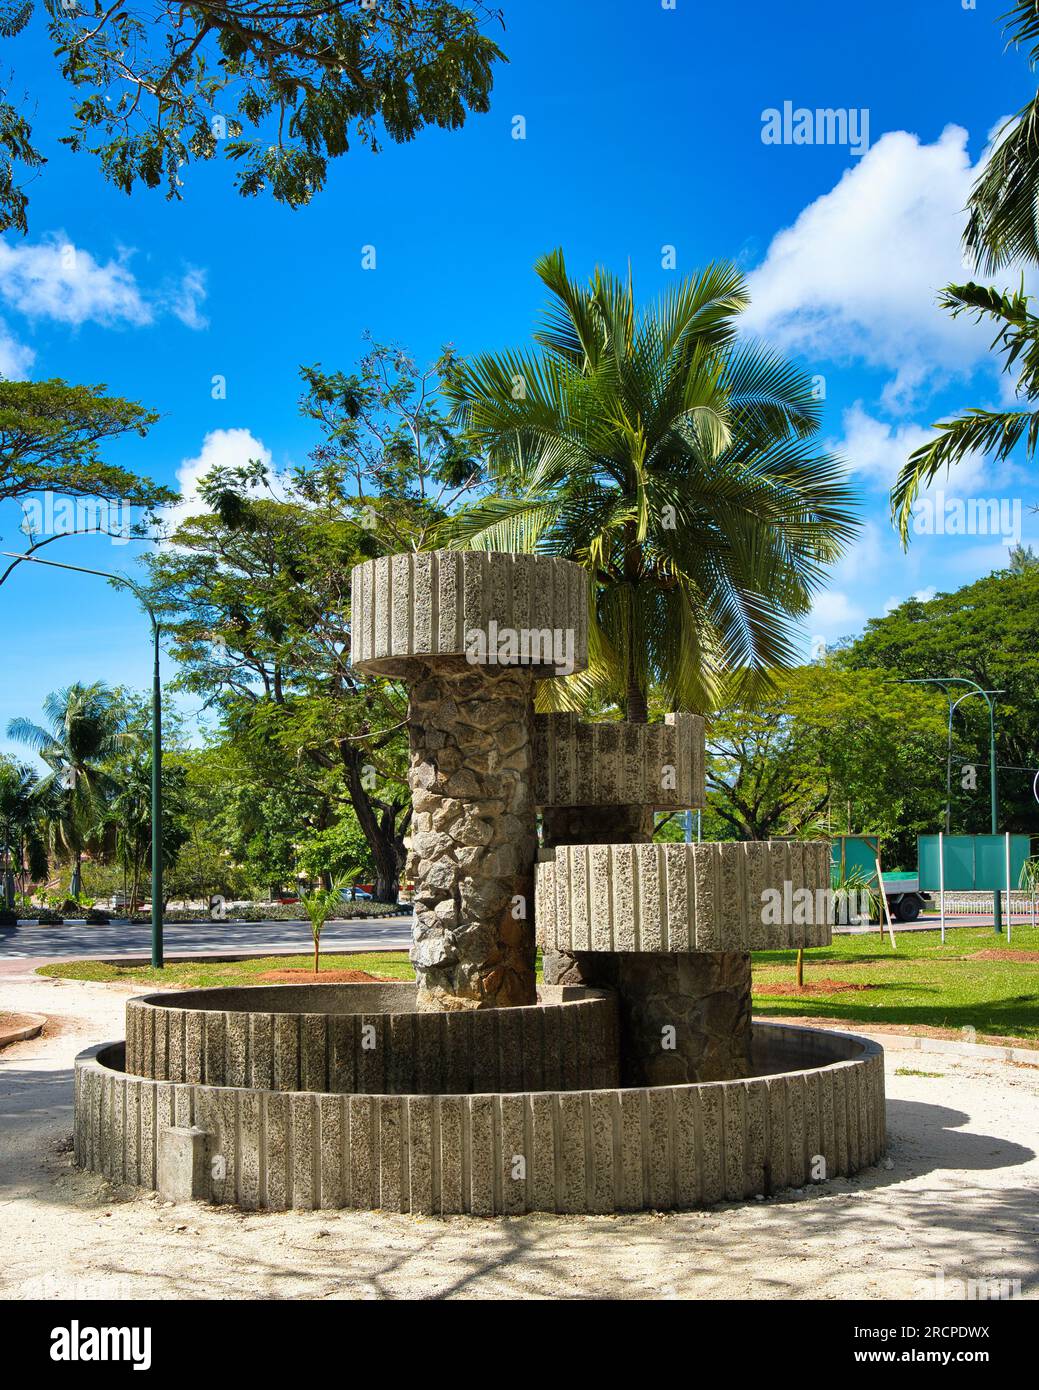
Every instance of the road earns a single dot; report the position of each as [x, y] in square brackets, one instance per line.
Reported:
[258, 938]
[199, 938]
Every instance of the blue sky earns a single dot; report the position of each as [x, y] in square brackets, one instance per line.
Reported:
[643, 130]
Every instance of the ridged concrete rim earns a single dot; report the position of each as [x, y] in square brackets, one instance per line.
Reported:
[420, 607]
[661, 898]
[369, 1038]
[583, 1151]
[617, 763]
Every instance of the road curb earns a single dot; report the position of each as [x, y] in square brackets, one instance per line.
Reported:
[28, 1026]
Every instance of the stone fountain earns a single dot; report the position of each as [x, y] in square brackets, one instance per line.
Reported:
[633, 1078]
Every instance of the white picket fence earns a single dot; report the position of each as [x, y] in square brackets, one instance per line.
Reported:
[965, 904]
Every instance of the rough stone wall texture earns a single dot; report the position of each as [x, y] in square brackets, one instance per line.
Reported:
[473, 836]
[659, 766]
[562, 1043]
[424, 605]
[682, 1017]
[582, 1151]
[684, 898]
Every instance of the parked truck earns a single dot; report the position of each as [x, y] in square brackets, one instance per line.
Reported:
[858, 854]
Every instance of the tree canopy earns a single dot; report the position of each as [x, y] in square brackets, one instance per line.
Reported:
[255, 594]
[278, 87]
[988, 632]
[53, 436]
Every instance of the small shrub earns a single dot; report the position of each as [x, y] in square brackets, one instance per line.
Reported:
[8, 918]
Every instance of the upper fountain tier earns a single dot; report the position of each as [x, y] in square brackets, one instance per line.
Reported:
[484, 607]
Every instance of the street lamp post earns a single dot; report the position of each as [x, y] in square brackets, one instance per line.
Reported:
[975, 689]
[157, 893]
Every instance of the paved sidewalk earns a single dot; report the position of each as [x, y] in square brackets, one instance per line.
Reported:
[960, 1201]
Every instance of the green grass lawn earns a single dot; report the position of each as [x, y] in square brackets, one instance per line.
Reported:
[923, 982]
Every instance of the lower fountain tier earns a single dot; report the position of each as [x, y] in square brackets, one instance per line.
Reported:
[370, 1038]
[813, 1110]
[659, 898]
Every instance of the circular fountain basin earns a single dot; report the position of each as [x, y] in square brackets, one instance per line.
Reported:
[813, 1110]
[371, 1039]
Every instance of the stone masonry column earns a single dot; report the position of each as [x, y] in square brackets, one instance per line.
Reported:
[469, 633]
[683, 1017]
[473, 836]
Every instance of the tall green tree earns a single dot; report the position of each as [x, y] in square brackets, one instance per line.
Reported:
[277, 88]
[256, 592]
[831, 750]
[23, 848]
[52, 436]
[258, 610]
[988, 632]
[84, 730]
[676, 463]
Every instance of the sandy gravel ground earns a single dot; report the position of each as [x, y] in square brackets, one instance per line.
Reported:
[960, 1200]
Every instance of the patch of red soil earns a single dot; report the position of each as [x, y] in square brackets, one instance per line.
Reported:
[816, 987]
[323, 977]
[1005, 953]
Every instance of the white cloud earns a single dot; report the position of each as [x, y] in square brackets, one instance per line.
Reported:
[15, 357]
[874, 449]
[186, 301]
[834, 611]
[58, 280]
[856, 277]
[231, 448]
[921, 595]
[54, 279]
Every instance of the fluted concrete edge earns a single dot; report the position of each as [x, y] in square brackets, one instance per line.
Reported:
[425, 606]
[666, 1147]
[369, 1039]
[732, 896]
[616, 763]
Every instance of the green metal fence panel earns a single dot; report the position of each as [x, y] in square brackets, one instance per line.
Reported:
[973, 863]
[849, 853]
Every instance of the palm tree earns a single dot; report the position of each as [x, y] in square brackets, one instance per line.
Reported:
[21, 841]
[675, 463]
[1003, 225]
[1002, 228]
[977, 431]
[85, 727]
